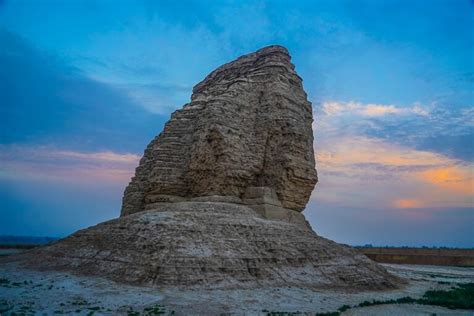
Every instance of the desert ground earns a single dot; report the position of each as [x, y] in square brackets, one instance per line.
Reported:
[29, 292]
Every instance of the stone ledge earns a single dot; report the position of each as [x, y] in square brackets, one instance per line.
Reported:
[279, 213]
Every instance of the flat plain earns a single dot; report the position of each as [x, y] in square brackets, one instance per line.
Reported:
[33, 292]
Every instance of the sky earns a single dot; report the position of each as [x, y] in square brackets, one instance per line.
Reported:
[85, 85]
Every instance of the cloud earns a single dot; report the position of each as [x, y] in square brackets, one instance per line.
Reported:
[362, 151]
[356, 108]
[454, 178]
[393, 168]
[158, 98]
[424, 127]
[361, 171]
[106, 156]
[66, 166]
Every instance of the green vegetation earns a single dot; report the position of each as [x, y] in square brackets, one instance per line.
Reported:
[403, 300]
[94, 308]
[460, 297]
[343, 308]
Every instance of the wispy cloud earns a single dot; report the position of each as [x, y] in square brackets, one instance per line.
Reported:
[357, 170]
[158, 98]
[430, 127]
[106, 156]
[350, 150]
[73, 167]
[357, 108]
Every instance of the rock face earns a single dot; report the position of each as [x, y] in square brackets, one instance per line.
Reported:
[248, 125]
[218, 195]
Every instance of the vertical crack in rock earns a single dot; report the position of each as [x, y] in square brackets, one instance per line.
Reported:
[216, 200]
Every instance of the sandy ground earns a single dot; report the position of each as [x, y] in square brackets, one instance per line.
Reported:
[48, 293]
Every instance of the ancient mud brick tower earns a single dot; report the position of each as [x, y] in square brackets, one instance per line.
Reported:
[217, 198]
[245, 137]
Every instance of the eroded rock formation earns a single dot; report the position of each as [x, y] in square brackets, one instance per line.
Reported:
[248, 125]
[217, 196]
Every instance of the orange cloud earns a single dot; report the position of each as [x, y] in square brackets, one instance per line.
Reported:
[369, 171]
[407, 203]
[453, 178]
[362, 150]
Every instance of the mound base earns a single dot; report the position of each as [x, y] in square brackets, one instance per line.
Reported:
[211, 244]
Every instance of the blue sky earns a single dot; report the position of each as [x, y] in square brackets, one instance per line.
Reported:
[85, 85]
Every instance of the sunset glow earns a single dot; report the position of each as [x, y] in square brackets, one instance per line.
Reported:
[407, 203]
[454, 178]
